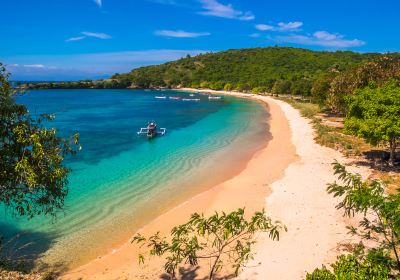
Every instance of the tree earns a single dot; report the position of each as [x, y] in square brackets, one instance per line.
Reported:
[320, 89]
[301, 87]
[228, 87]
[222, 239]
[380, 223]
[373, 114]
[282, 87]
[358, 266]
[379, 71]
[33, 179]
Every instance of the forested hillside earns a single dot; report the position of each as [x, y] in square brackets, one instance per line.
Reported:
[325, 77]
[246, 69]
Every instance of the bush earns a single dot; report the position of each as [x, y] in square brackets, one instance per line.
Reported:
[222, 239]
[356, 267]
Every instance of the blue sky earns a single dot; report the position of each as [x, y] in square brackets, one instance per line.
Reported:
[78, 39]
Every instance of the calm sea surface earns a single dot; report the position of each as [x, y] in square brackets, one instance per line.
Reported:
[119, 181]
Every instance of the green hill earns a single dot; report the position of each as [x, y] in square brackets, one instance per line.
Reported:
[245, 69]
[325, 77]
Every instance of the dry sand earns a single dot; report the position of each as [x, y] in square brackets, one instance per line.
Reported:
[247, 189]
[297, 170]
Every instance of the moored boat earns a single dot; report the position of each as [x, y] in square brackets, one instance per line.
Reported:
[151, 130]
[214, 97]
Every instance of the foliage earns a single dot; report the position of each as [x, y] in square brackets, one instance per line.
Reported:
[282, 87]
[320, 89]
[380, 225]
[357, 266]
[308, 110]
[378, 71]
[381, 221]
[33, 180]
[222, 239]
[373, 114]
[243, 69]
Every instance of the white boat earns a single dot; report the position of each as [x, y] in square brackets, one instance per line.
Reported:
[161, 97]
[214, 97]
[191, 94]
[191, 99]
[152, 131]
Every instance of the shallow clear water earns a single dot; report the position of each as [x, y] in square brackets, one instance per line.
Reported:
[120, 180]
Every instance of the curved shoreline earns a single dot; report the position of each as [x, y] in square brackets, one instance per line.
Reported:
[198, 166]
[265, 167]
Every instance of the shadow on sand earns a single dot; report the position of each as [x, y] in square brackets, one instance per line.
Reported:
[191, 273]
[22, 250]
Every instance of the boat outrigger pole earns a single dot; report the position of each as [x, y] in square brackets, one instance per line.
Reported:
[151, 130]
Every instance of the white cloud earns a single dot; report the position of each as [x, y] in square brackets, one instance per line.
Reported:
[323, 35]
[321, 38]
[290, 26]
[217, 9]
[255, 35]
[102, 36]
[282, 26]
[75, 38]
[264, 27]
[88, 66]
[33, 66]
[180, 34]
[99, 3]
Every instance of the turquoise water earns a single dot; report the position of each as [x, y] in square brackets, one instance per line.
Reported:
[119, 181]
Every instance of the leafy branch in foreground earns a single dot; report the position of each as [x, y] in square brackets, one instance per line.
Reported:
[380, 226]
[221, 239]
[33, 179]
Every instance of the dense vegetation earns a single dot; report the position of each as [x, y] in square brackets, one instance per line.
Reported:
[379, 228]
[33, 179]
[262, 69]
[363, 87]
[374, 114]
[325, 77]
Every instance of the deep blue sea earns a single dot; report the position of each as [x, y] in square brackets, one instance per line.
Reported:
[119, 180]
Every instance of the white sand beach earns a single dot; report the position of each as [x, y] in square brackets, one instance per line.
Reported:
[288, 178]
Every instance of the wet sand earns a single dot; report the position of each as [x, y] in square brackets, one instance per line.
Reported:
[248, 189]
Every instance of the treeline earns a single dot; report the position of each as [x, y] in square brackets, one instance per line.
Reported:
[99, 84]
[325, 77]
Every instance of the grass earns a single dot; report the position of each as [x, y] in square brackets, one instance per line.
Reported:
[308, 110]
[335, 138]
[349, 145]
[392, 180]
[330, 136]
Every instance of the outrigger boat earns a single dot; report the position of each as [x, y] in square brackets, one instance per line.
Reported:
[151, 130]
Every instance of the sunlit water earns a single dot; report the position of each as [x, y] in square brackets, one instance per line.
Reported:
[119, 181]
